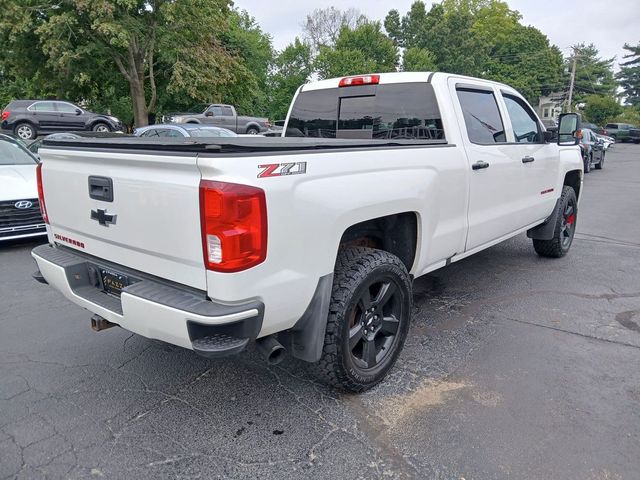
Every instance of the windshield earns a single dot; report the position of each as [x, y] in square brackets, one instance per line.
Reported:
[211, 132]
[13, 154]
[198, 108]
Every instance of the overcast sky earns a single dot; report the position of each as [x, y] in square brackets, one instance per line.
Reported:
[607, 24]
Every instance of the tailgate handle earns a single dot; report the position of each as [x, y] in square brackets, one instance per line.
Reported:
[101, 188]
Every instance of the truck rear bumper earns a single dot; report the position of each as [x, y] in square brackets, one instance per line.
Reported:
[152, 307]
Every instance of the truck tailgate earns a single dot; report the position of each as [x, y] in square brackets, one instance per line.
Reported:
[152, 223]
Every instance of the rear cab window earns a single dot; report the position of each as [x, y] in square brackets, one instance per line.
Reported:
[386, 111]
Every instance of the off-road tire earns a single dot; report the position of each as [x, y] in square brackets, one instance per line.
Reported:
[357, 269]
[556, 247]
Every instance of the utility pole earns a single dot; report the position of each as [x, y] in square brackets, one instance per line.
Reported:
[573, 77]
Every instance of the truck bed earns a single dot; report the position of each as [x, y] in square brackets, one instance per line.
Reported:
[230, 145]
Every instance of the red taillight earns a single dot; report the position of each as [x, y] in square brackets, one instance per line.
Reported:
[234, 226]
[359, 80]
[5, 115]
[43, 207]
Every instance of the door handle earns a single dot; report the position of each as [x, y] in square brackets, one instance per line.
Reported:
[528, 159]
[480, 165]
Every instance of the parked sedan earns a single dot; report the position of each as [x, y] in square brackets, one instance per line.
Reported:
[19, 207]
[27, 119]
[592, 149]
[184, 130]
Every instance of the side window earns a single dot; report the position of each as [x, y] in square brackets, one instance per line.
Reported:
[217, 110]
[227, 111]
[163, 132]
[150, 133]
[524, 122]
[43, 107]
[65, 107]
[481, 116]
[174, 134]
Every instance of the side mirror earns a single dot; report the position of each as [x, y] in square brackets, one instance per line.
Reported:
[208, 113]
[78, 111]
[569, 132]
[550, 135]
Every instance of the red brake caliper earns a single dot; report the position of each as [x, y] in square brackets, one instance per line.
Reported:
[571, 218]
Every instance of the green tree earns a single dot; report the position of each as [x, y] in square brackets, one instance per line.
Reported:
[629, 75]
[291, 68]
[364, 49]
[156, 53]
[417, 59]
[594, 75]
[482, 38]
[600, 109]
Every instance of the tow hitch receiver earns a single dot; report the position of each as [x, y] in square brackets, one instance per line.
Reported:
[98, 323]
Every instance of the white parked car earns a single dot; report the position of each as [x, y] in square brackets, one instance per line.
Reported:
[19, 206]
[310, 244]
[163, 130]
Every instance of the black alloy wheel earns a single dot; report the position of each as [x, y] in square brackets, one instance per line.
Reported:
[374, 322]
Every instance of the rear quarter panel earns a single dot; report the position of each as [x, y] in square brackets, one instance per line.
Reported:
[308, 214]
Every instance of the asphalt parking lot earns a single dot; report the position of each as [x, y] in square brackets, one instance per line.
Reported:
[515, 367]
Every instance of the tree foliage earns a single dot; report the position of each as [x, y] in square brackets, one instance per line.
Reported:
[364, 49]
[601, 109]
[629, 75]
[594, 75]
[482, 38]
[291, 68]
[153, 52]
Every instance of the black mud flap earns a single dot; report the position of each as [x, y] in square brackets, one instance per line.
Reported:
[545, 230]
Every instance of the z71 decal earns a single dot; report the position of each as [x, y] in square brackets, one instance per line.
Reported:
[282, 169]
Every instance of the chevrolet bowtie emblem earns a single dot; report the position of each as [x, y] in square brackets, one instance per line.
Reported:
[103, 218]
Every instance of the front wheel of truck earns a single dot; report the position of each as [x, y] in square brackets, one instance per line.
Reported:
[368, 319]
[565, 228]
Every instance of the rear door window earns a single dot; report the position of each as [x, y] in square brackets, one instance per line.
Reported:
[481, 116]
[43, 107]
[227, 111]
[388, 111]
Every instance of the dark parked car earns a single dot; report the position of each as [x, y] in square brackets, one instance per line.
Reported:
[592, 150]
[27, 119]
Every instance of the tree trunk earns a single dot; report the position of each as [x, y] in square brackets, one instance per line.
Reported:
[132, 67]
[139, 103]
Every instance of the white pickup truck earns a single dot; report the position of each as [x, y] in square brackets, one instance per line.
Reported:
[307, 243]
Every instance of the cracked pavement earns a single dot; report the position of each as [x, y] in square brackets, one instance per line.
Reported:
[515, 367]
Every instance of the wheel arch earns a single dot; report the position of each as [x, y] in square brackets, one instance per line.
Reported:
[573, 179]
[98, 120]
[27, 121]
[252, 125]
[395, 233]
